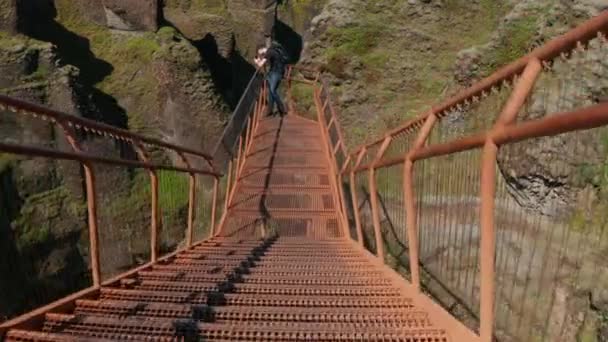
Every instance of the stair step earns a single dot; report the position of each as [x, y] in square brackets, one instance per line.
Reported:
[125, 328]
[309, 301]
[272, 258]
[286, 272]
[292, 279]
[270, 251]
[246, 288]
[16, 335]
[276, 263]
[204, 313]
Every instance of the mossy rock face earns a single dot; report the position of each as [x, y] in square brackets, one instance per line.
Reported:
[127, 15]
[132, 15]
[8, 15]
[49, 216]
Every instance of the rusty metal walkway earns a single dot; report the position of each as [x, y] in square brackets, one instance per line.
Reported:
[280, 270]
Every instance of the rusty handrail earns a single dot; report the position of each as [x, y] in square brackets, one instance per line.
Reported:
[555, 47]
[25, 107]
[84, 157]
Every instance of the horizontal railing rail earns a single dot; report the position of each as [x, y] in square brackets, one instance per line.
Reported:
[46, 114]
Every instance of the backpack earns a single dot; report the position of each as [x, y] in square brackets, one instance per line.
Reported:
[281, 52]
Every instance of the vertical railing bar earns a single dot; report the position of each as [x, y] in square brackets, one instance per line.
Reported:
[191, 200]
[191, 210]
[409, 198]
[338, 195]
[345, 164]
[488, 190]
[213, 229]
[228, 187]
[336, 147]
[155, 210]
[353, 187]
[374, 198]
[91, 191]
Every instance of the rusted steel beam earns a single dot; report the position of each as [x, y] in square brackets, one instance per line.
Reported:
[76, 121]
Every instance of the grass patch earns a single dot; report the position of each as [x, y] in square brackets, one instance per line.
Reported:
[354, 40]
[515, 43]
[6, 161]
[303, 96]
[43, 212]
[173, 188]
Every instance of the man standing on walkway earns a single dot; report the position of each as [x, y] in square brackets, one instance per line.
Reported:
[276, 57]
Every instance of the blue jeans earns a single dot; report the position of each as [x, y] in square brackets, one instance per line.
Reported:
[274, 79]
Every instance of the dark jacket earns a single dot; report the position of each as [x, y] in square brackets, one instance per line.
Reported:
[276, 59]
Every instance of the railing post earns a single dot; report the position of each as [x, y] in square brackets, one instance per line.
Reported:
[156, 222]
[327, 146]
[353, 190]
[216, 184]
[409, 199]
[154, 207]
[89, 176]
[374, 199]
[228, 186]
[191, 201]
[191, 210]
[93, 229]
[508, 115]
[488, 240]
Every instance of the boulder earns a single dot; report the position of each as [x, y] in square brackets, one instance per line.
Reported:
[125, 15]
[132, 15]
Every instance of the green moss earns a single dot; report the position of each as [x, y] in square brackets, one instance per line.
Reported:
[166, 33]
[303, 96]
[515, 43]
[173, 188]
[355, 39]
[6, 161]
[38, 216]
[129, 54]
